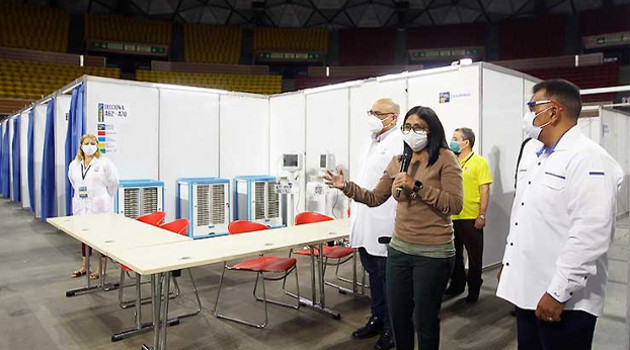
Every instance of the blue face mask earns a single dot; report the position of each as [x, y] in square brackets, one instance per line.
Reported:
[455, 146]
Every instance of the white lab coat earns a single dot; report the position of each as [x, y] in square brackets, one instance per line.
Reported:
[368, 224]
[562, 225]
[101, 181]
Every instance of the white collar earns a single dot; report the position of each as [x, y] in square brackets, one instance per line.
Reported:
[382, 136]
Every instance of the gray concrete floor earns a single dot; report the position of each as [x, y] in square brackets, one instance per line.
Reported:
[36, 261]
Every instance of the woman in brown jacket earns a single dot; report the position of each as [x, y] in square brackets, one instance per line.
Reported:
[421, 252]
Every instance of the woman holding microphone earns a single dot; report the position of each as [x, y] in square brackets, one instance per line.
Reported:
[421, 252]
[95, 181]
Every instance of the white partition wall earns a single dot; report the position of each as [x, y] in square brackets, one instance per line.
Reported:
[591, 127]
[614, 135]
[129, 113]
[189, 138]
[26, 203]
[62, 109]
[454, 95]
[287, 134]
[503, 99]
[39, 129]
[327, 130]
[244, 130]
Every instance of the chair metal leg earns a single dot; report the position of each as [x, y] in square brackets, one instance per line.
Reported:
[125, 304]
[284, 278]
[341, 289]
[194, 285]
[354, 277]
[237, 320]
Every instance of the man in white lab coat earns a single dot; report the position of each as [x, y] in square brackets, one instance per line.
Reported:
[368, 224]
[561, 227]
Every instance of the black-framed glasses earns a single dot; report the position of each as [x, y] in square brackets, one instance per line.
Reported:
[417, 128]
[379, 115]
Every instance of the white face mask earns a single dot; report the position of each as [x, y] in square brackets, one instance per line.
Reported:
[528, 124]
[417, 142]
[88, 150]
[375, 124]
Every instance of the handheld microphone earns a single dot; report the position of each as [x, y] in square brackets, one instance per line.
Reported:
[404, 166]
[384, 240]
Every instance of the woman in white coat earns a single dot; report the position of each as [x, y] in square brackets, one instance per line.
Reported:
[95, 181]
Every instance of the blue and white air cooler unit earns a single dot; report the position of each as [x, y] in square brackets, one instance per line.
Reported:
[139, 197]
[256, 199]
[205, 202]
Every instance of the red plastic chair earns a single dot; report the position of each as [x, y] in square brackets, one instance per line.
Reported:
[243, 226]
[179, 226]
[334, 252]
[339, 253]
[259, 265]
[155, 219]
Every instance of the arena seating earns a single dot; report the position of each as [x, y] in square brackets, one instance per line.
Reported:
[260, 84]
[367, 46]
[531, 37]
[127, 29]
[30, 80]
[33, 27]
[289, 39]
[448, 36]
[602, 21]
[587, 77]
[212, 44]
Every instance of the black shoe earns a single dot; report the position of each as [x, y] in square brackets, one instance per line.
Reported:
[386, 341]
[451, 291]
[472, 297]
[373, 327]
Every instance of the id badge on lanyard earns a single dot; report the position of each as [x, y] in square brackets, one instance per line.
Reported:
[83, 191]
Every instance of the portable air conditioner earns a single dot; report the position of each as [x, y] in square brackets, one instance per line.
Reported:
[256, 200]
[138, 197]
[205, 202]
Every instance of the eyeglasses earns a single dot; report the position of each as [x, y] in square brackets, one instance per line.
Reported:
[417, 128]
[532, 104]
[379, 115]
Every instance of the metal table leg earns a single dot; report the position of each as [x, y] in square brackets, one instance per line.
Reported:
[89, 287]
[159, 284]
[140, 327]
[313, 304]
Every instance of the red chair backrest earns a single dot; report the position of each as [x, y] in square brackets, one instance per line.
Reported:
[155, 219]
[242, 226]
[310, 217]
[179, 226]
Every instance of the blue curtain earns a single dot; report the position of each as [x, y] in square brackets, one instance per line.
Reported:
[4, 166]
[30, 164]
[17, 189]
[76, 129]
[49, 195]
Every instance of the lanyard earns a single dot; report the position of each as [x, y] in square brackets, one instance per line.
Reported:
[467, 159]
[84, 173]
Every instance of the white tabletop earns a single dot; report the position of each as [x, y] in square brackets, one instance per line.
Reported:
[180, 255]
[148, 249]
[108, 233]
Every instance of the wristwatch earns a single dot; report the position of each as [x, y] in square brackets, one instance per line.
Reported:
[482, 216]
[417, 186]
